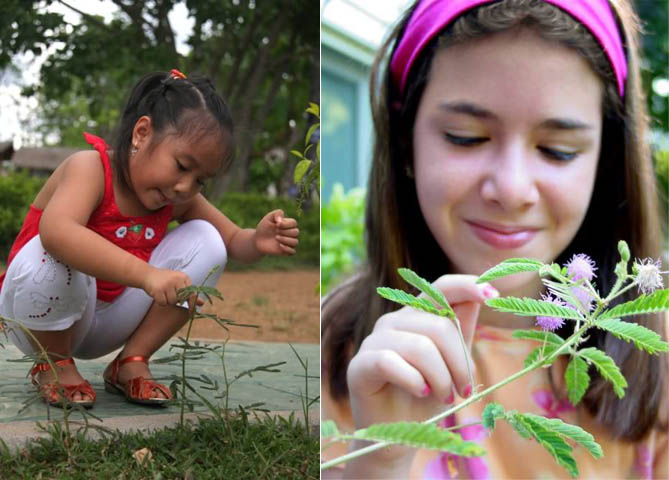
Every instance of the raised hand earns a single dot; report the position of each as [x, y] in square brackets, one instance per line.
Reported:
[412, 364]
[276, 234]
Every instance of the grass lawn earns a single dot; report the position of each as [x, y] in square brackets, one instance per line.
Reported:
[237, 448]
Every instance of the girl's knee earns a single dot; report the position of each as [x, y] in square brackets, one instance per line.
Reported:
[210, 241]
[43, 293]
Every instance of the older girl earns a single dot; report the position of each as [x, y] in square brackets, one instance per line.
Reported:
[511, 128]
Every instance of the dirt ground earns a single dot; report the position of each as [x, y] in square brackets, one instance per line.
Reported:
[283, 305]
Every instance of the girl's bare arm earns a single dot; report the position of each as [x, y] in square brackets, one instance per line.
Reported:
[243, 243]
[63, 229]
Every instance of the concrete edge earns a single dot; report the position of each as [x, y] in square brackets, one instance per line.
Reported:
[16, 434]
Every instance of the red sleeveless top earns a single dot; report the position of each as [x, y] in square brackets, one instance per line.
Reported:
[136, 235]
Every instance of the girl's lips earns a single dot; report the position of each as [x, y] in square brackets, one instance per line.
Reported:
[504, 237]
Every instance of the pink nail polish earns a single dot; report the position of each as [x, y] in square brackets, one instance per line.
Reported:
[468, 391]
[450, 399]
[426, 390]
[490, 292]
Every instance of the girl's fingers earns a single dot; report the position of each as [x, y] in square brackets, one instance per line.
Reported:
[441, 333]
[290, 241]
[419, 351]
[287, 223]
[286, 249]
[371, 370]
[462, 288]
[467, 310]
[278, 216]
[289, 232]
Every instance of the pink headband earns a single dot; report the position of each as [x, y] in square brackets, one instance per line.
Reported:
[431, 16]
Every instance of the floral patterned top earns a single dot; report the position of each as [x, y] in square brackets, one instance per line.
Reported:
[497, 355]
[136, 235]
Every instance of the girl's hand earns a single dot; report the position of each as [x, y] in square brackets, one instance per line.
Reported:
[412, 364]
[162, 284]
[277, 235]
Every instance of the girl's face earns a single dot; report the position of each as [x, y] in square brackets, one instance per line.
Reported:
[173, 171]
[506, 144]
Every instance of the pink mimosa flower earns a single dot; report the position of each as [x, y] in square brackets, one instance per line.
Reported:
[581, 267]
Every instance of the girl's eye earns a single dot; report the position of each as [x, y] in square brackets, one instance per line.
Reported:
[180, 166]
[558, 154]
[464, 141]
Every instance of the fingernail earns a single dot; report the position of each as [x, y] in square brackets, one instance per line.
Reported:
[426, 390]
[468, 391]
[490, 292]
[450, 399]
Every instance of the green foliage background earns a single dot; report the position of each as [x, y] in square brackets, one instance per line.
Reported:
[263, 58]
[18, 190]
[342, 244]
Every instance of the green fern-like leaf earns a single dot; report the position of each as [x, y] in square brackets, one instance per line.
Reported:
[577, 379]
[539, 335]
[492, 412]
[643, 338]
[607, 368]
[420, 435]
[574, 432]
[656, 302]
[552, 441]
[514, 419]
[533, 356]
[211, 291]
[426, 287]
[408, 300]
[329, 429]
[509, 267]
[529, 307]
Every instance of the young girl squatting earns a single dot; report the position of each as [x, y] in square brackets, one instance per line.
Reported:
[516, 128]
[94, 269]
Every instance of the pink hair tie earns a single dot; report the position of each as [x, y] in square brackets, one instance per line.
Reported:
[431, 16]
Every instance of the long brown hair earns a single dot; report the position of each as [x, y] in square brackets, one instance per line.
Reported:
[624, 204]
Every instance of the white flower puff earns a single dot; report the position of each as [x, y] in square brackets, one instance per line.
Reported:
[149, 233]
[121, 231]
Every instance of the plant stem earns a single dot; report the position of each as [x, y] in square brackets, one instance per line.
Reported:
[191, 316]
[616, 287]
[474, 398]
[464, 350]
[617, 294]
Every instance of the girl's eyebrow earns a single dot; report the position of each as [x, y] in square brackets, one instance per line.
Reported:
[477, 111]
[467, 108]
[564, 124]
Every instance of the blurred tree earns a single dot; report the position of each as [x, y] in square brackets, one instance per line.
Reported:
[264, 60]
[655, 65]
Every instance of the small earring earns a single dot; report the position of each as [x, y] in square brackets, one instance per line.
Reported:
[133, 150]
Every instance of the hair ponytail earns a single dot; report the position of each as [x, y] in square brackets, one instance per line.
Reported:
[188, 106]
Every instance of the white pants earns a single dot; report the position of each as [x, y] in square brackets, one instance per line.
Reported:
[44, 294]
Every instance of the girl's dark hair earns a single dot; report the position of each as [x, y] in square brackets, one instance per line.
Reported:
[179, 106]
[624, 205]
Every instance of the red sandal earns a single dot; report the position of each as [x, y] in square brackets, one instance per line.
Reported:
[52, 393]
[138, 389]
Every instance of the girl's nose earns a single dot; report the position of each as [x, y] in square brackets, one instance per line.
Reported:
[185, 186]
[510, 181]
